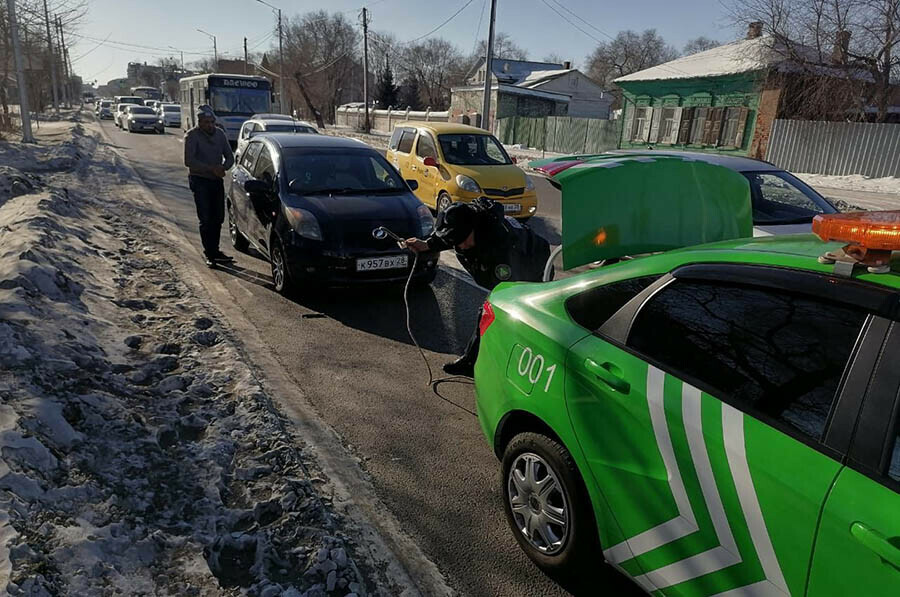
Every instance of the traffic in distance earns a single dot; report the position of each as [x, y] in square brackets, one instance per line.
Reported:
[711, 408]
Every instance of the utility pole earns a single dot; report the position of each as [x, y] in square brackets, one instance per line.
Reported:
[245, 55]
[182, 57]
[488, 72]
[61, 46]
[70, 73]
[215, 50]
[365, 17]
[24, 113]
[52, 60]
[280, 57]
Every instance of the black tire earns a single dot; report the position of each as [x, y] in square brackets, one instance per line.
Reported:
[282, 281]
[238, 240]
[579, 549]
[443, 202]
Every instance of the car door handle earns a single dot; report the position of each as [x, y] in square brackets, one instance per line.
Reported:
[877, 542]
[608, 374]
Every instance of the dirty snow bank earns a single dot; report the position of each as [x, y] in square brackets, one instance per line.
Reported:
[138, 453]
[853, 182]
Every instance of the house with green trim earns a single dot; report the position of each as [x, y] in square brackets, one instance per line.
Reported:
[723, 100]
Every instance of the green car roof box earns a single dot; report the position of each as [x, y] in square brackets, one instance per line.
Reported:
[614, 205]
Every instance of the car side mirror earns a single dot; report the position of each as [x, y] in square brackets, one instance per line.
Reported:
[258, 187]
[431, 162]
[413, 184]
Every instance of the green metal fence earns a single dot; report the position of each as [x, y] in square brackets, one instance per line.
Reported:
[559, 134]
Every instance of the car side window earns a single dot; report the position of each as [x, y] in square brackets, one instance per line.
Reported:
[591, 308]
[406, 141]
[249, 157]
[425, 147]
[894, 468]
[265, 167]
[395, 139]
[768, 352]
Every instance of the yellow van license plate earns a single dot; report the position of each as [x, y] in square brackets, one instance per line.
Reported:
[512, 208]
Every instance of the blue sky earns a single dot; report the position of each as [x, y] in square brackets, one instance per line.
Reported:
[531, 23]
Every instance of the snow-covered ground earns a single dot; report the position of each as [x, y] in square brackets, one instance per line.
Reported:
[139, 454]
[854, 182]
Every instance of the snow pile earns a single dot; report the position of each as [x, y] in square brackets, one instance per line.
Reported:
[138, 453]
[854, 182]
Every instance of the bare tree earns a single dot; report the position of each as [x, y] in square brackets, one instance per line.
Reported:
[629, 52]
[847, 49]
[504, 47]
[553, 57]
[436, 65]
[699, 44]
[320, 52]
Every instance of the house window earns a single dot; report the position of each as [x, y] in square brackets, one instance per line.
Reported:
[698, 125]
[667, 126]
[641, 119]
[733, 130]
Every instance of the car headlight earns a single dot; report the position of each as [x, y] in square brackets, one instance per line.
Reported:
[426, 220]
[467, 184]
[303, 222]
[529, 185]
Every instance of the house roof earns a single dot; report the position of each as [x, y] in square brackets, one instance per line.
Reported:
[746, 55]
[516, 90]
[510, 71]
[539, 77]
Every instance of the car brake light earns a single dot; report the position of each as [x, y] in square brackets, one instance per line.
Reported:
[487, 317]
[554, 168]
[870, 235]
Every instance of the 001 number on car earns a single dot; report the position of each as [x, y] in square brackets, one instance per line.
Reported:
[533, 366]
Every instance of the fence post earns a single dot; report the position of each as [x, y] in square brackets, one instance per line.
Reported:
[427, 113]
[587, 130]
[544, 144]
[407, 114]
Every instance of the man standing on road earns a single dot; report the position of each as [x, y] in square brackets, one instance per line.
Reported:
[207, 156]
[492, 248]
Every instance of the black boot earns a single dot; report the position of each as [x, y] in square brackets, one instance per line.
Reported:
[463, 366]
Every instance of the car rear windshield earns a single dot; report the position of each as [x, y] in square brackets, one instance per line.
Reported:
[105, 104]
[339, 171]
[171, 108]
[288, 128]
[472, 150]
[142, 111]
[779, 197]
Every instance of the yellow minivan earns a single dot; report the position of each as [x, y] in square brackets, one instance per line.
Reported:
[456, 162]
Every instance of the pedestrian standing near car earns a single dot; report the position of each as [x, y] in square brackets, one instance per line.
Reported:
[492, 248]
[207, 155]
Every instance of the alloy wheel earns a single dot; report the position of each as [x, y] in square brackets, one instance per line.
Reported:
[539, 503]
[443, 203]
[278, 267]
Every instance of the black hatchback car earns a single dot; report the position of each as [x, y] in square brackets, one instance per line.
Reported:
[311, 204]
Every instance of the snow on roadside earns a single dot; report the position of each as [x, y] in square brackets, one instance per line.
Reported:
[853, 182]
[138, 453]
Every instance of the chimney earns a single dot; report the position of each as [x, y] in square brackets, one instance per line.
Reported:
[567, 64]
[754, 30]
[841, 47]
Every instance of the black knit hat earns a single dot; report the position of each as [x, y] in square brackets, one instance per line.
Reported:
[455, 224]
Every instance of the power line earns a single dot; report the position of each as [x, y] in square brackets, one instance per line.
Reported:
[100, 44]
[478, 28]
[453, 16]
[569, 21]
[138, 46]
[585, 21]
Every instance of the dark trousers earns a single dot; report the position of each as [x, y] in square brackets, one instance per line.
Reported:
[209, 197]
[470, 354]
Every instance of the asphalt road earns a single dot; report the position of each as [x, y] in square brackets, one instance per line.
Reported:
[349, 352]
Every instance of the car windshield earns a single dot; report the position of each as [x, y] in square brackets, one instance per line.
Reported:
[105, 104]
[171, 108]
[339, 171]
[472, 150]
[288, 128]
[226, 100]
[142, 111]
[779, 197]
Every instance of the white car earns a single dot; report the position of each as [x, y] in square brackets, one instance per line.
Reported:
[152, 104]
[169, 114]
[141, 118]
[119, 114]
[105, 109]
[271, 123]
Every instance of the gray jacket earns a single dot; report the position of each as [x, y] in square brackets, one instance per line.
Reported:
[203, 151]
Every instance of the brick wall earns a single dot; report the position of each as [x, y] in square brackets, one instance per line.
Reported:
[768, 112]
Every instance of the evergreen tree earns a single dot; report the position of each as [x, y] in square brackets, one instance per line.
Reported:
[385, 90]
[410, 95]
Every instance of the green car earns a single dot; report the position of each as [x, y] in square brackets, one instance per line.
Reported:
[720, 419]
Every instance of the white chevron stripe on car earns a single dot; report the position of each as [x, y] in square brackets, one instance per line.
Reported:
[726, 554]
[736, 452]
[682, 525]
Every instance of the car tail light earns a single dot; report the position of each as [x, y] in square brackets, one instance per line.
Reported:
[871, 236]
[554, 168]
[487, 317]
